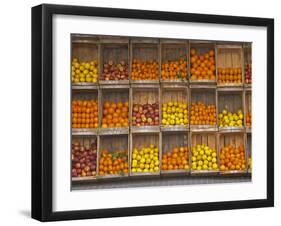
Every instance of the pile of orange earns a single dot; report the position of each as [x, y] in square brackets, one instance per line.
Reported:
[84, 114]
[115, 162]
[229, 75]
[202, 66]
[202, 114]
[232, 158]
[174, 69]
[115, 114]
[249, 119]
[176, 159]
[144, 70]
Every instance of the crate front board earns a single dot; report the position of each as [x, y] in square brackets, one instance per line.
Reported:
[85, 51]
[113, 143]
[208, 139]
[173, 51]
[231, 101]
[87, 94]
[171, 140]
[202, 47]
[145, 95]
[145, 52]
[229, 56]
[174, 94]
[206, 96]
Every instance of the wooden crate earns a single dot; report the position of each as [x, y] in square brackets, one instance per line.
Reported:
[231, 100]
[144, 50]
[85, 141]
[171, 140]
[230, 56]
[86, 49]
[85, 94]
[174, 93]
[208, 96]
[149, 94]
[202, 47]
[209, 139]
[234, 139]
[113, 95]
[113, 143]
[139, 140]
[249, 152]
[116, 50]
[173, 50]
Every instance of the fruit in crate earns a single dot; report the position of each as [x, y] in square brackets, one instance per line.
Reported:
[249, 119]
[84, 113]
[229, 119]
[176, 159]
[232, 158]
[84, 159]
[113, 162]
[174, 113]
[145, 159]
[174, 69]
[115, 114]
[144, 70]
[203, 114]
[250, 162]
[248, 73]
[115, 71]
[204, 158]
[202, 65]
[145, 114]
[229, 75]
[84, 71]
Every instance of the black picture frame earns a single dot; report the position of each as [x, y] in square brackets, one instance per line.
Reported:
[42, 111]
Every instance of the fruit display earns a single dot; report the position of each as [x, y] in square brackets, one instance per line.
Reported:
[204, 158]
[174, 113]
[84, 158]
[115, 114]
[202, 65]
[84, 113]
[248, 73]
[174, 69]
[145, 159]
[143, 109]
[232, 158]
[84, 71]
[113, 162]
[176, 159]
[229, 119]
[144, 70]
[145, 114]
[114, 71]
[249, 119]
[203, 114]
[229, 75]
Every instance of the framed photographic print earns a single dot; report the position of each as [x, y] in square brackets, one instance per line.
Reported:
[147, 112]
